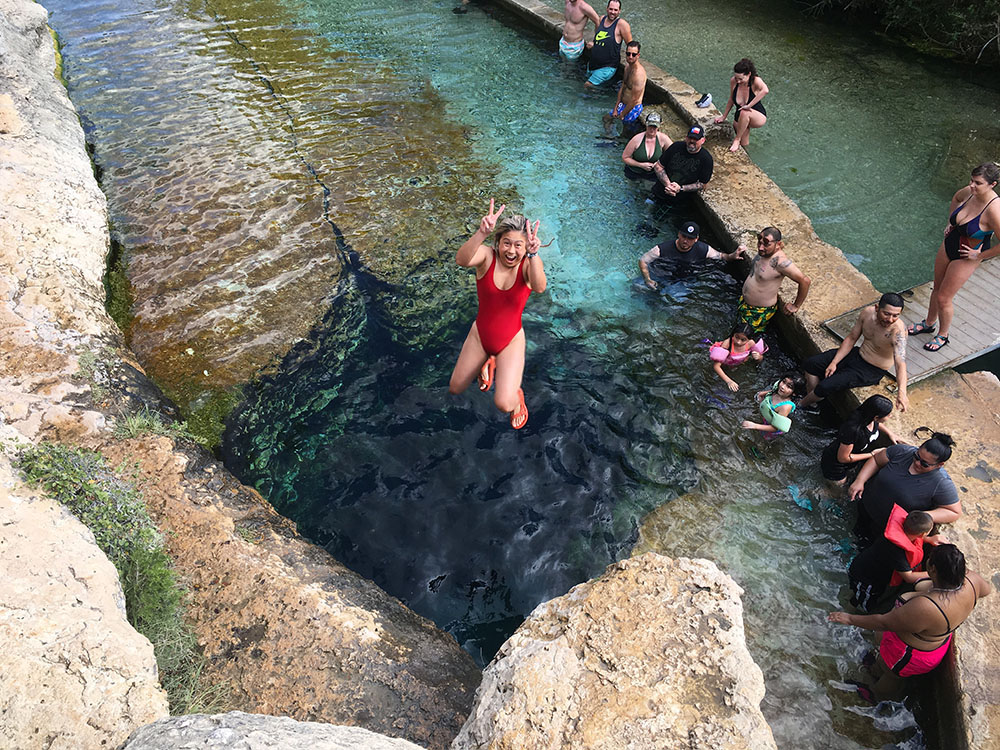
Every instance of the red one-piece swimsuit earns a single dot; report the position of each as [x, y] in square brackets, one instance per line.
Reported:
[499, 317]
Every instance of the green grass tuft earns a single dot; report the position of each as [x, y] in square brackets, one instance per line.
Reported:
[112, 508]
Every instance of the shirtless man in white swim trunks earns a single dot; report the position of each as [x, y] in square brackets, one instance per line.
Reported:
[572, 42]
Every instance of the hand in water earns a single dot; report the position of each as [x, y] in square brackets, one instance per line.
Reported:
[841, 618]
[489, 222]
[651, 284]
[733, 385]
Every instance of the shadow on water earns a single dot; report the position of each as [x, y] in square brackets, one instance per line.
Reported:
[435, 497]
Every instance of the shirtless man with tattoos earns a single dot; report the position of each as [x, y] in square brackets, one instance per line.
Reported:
[759, 301]
[849, 367]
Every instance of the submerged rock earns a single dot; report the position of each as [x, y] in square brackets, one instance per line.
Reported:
[76, 675]
[240, 731]
[649, 655]
[288, 628]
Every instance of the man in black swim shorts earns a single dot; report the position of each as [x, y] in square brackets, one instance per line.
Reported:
[847, 367]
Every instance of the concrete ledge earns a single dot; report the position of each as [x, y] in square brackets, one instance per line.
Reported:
[739, 201]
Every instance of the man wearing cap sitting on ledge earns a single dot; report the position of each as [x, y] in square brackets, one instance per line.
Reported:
[682, 253]
[684, 168]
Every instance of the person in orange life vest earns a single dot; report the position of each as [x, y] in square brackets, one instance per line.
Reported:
[892, 559]
[506, 274]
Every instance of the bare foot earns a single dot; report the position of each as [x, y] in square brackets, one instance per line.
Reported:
[735, 147]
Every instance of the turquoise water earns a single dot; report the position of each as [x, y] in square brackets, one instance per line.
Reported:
[870, 140]
[353, 434]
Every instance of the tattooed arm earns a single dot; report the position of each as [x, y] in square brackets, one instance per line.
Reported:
[787, 268]
[899, 360]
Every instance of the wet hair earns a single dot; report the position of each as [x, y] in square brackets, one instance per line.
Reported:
[515, 223]
[632, 44]
[798, 382]
[773, 232]
[890, 299]
[918, 522]
[939, 446]
[744, 328]
[949, 565]
[746, 66]
[988, 170]
[872, 408]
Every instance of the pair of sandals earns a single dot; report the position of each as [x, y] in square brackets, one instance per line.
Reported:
[518, 417]
[924, 327]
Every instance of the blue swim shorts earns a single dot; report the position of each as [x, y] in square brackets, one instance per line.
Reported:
[570, 50]
[632, 115]
[601, 75]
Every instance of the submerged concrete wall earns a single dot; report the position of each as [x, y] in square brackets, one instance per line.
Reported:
[739, 201]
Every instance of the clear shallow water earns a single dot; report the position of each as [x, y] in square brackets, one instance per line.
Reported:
[870, 141]
[435, 498]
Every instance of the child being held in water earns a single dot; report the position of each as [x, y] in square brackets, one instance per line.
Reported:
[776, 406]
[734, 351]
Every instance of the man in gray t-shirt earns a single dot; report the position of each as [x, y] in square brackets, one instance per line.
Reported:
[910, 477]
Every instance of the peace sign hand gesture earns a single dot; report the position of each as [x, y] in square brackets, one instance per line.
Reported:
[532, 232]
[489, 222]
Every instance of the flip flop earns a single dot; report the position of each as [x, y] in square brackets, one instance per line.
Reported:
[922, 327]
[519, 417]
[936, 343]
[486, 374]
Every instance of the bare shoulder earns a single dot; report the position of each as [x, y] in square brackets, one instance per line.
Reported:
[962, 194]
[867, 313]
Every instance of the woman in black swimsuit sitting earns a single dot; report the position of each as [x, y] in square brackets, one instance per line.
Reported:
[975, 216]
[917, 632]
[746, 89]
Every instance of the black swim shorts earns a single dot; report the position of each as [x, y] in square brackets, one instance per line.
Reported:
[852, 372]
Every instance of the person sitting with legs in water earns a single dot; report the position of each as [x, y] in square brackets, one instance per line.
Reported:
[855, 438]
[891, 560]
[776, 406]
[746, 89]
[571, 43]
[975, 216]
[917, 633]
[734, 351]
[848, 366]
[506, 274]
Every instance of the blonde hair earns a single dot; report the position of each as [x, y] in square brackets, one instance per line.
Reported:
[515, 223]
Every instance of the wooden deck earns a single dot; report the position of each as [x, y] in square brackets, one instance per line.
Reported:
[975, 329]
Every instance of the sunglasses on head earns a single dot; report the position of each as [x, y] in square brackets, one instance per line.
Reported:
[765, 241]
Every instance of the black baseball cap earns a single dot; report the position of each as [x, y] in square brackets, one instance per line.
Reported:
[696, 131]
[690, 230]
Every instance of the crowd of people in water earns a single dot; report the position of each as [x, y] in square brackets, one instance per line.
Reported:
[902, 492]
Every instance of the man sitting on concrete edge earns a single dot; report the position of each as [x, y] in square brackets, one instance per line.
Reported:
[847, 367]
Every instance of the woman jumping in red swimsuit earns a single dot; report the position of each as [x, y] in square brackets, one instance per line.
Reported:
[505, 275]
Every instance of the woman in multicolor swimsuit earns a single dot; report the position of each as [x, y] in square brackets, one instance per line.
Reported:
[975, 216]
[746, 89]
[917, 632]
[506, 274]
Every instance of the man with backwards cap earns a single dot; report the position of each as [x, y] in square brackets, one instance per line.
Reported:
[684, 168]
[686, 250]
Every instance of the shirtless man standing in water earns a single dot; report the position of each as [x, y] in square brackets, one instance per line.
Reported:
[628, 107]
[848, 367]
[572, 41]
[759, 301]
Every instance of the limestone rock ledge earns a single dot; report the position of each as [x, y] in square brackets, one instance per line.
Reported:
[76, 675]
[650, 655]
[288, 628]
[240, 731]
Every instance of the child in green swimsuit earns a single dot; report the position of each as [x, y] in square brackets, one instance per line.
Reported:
[776, 405]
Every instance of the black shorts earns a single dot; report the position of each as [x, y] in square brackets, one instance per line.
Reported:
[852, 372]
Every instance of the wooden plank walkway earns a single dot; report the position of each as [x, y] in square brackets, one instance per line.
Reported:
[975, 329]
